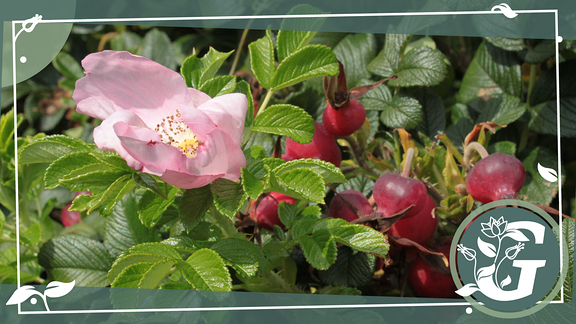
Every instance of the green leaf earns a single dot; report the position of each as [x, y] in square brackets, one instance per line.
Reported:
[50, 148]
[220, 85]
[361, 183]
[286, 120]
[143, 275]
[492, 72]
[326, 170]
[377, 98]
[421, 66]
[32, 235]
[434, 113]
[300, 183]
[244, 256]
[503, 147]
[355, 51]
[124, 229]
[388, 59]
[536, 189]
[544, 50]
[545, 87]
[350, 269]
[507, 44]
[184, 244]
[228, 196]
[148, 182]
[244, 87]
[73, 257]
[157, 46]
[68, 66]
[111, 196]
[262, 60]
[196, 71]
[319, 249]
[544, 118]
[568, 234]
[502, 111]
[287, 213]
[151, 206]
[303, 227]
[86, 178]
[193, 206]
[205, 270]
[297, 33]
[251, 185]
[306, 63]
[402, 112]
[65, 165]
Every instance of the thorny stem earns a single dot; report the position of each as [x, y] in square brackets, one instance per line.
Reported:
[469, 152]
[239, 50]
[408, 163]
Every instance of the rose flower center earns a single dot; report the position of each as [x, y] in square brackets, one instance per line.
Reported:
[176, 133]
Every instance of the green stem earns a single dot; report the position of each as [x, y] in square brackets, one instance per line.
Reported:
[524, 138]
[10, 227]
[532, 81]
[440, 179]
[408, 163]
[265, 102]
[239, 50]
[359, 154]
[7, 240]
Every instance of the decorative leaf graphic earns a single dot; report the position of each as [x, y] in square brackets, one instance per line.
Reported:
[488, 249]
[516, 235]
[547, 173]
[57, 289]
[486, 271]
[506, 282]
[22, 294]
[467, 290]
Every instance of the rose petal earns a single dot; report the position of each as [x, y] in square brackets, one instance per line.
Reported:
[228, 112]
[130, 82]
[187, 181]
[106, 139]
[198, 97]
[197, 120]
[145, 146]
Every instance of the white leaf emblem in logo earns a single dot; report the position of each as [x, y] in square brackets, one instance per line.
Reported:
[547, 173]
[57, 289]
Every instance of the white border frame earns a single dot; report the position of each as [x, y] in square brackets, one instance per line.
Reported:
[112, 20]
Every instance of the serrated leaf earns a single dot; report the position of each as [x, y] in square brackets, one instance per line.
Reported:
[124, 229]
[87, 263]
[68, 66]
[306, 63]
[125, 261]
[303, 227]
[157, 46]
[492, 72]
[205, 270]
[507, 44]
[421, 66]
[536, 189]
[544, 50]
[287, 213]
[196, 71]
[388, 59]
[545, 87]
[434, 113]
[544, 118]
[151, 206]
[357, 236]
[320, 250]
[244, 256]
[111, 196]
[350, 269]
[502, 111]
[193, 206]
[89, 180]
[228, 196]
[251, 185]
[286, 120]
[131, 276]
[568, 234]
[50, 148]
[262, 60]
[326, 170]
[355, 51]
[220, 85]
[183, 243]
[305, 183]
[296, 33]
[402, 112]
[148, 182]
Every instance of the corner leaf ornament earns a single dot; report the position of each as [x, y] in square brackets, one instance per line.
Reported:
[54, 289]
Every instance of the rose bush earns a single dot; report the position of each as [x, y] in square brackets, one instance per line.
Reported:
[157, 124]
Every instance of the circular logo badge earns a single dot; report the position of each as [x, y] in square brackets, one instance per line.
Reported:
[507, 259]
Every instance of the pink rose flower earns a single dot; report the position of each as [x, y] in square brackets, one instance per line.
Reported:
[157, 124]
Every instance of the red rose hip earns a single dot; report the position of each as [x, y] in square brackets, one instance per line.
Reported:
[344, 121]
[323, 147]
[497, 176]
[394, 193]
[266, 214]
[419, 228]
[69, 217]
[338, 209]
[428, 282]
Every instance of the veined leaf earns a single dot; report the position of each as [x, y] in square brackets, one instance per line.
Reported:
[262, 60]
[421, 66]
[218, 86]
[228, 196]
[205, 270]
[50, 148]
[326, 170]
[286, 120]
[297, 33]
